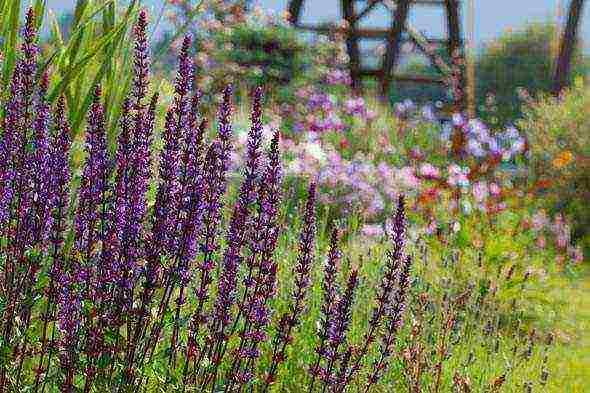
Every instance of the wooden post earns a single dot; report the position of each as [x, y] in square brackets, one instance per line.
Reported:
[352, 45]
[568, 45]
[456, 50]
[400, 17]
[469, 82]
[295, 11]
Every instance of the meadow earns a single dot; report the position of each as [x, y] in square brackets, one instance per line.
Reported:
[194, 223]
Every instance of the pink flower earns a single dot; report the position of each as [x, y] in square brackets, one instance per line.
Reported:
[417, 154]
[458, 176]
[372, 230]
[494, 189]
[562, 240]
[431, 228]
[577, 255]
[541, 242]
[354, 106]
[370, 115]
[408, 177]
[480, 191]
[539, 220]
[429, 171]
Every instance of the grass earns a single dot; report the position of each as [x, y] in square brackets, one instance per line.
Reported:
[570, 359]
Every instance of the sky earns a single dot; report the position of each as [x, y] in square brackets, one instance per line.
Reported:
[492, 17]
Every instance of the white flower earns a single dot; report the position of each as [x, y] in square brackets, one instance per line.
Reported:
[314, 149]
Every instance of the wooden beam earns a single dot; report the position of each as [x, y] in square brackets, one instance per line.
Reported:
[368, 8]
[361, 33]
[378, 73]
[295, 7]
[567, 47]
[453, 26]
[400, 18]
[422, 43]
[352, 45]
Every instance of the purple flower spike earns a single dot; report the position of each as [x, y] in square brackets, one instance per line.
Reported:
[386, 289]
[395, 318]
[261, 280]
[339, 327]
[60, 181]
[41, 175]
[141, 60]
[93, 188]
[328, 308]
[237, 230]
[302, 281]
[30, 51]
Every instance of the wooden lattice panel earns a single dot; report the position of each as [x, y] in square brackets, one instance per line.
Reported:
[353, 11]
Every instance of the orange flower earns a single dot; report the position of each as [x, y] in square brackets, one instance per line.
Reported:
[563, 159]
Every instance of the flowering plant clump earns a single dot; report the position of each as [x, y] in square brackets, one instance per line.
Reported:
[560, 159]
[250, 46]
[118, 285]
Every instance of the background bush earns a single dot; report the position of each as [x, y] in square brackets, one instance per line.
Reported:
[559, 135]
[521, 58]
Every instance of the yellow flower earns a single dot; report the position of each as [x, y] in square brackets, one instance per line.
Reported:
[563, 159]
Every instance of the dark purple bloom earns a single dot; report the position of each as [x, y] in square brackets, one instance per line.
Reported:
[60, 181]
[328, 307]
[237, 228]
[302, 280]
[93, 191]
[386, 290]
[141, 60]
[339, 326]
[42, 195]
[395, 319]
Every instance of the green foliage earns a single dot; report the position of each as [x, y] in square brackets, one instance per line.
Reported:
[95, 50]
[276, 50]
[523, 58]
[558, 130]
[420, 93]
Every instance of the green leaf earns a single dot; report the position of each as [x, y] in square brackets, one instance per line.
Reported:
[9, 35]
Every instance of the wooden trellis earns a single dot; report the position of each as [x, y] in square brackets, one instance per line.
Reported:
[353, 11]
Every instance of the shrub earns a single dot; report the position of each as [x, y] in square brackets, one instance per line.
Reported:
[252, 48]
[560, 145]
[522, 59]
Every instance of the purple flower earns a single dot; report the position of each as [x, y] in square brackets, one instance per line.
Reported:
[141, 60]
[328, 307]
[302, 281]
[93, 188]
[237, 228]
[395, 320]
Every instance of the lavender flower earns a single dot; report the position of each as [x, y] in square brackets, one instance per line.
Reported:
[141, 60]
[237, 227]
[302, 280]
[328, 311]
[94, 179]
[30, 50]
[262, 265]
[338, 328]
[42, 167]
[215, 171]
[395, 318]
[388, 283]
[60, 179]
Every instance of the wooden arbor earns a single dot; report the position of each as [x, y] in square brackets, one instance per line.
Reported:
[400, 30]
